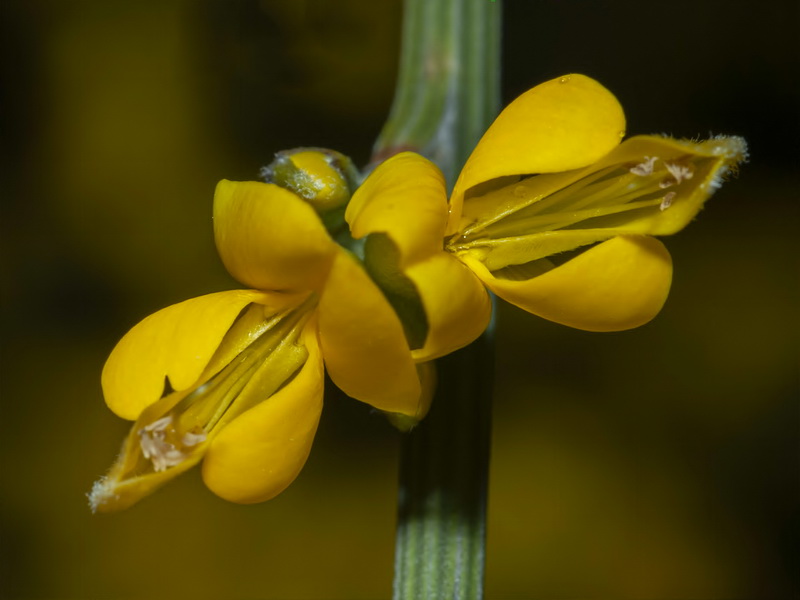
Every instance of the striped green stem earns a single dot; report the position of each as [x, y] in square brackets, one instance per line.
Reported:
[448, 87]
[447, 95]
[440, 549]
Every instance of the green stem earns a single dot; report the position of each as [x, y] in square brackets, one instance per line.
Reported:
[447, 95]
[440, 549]
[448, 87]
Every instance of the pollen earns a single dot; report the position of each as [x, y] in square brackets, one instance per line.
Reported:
[646, 167]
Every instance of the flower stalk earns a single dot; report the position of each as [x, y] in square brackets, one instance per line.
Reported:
[447, 94]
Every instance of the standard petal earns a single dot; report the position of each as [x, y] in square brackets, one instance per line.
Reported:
[619, 284]
[456, 304]
[258, 454]
[566, 123]
[365, 349]
[176, 343]
[269, 238]
[404, 197]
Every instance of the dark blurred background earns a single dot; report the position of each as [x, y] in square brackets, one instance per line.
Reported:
[657, 463]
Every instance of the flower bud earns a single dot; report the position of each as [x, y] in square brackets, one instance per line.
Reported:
[324, 178]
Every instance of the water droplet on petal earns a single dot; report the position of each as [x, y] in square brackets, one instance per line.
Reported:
[520, 191]
[621, 134]
[564, 79]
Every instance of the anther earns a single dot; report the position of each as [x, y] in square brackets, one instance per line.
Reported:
[156, 448]
[666, 201]
[646, 167]
[679, 172]
[192, 439]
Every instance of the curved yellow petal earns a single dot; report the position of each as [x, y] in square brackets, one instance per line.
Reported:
[566, 123]
[619, 284]
[404, 197]
[362, 339]
[177, 343]
[258, 454]
[456, 304]
[269, 238]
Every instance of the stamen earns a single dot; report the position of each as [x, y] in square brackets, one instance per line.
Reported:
[156, 448]
[159, 425]
[644, 168]
[610, 191]
[173, 438]
[192, 439]
[679, 172]
[666, 202]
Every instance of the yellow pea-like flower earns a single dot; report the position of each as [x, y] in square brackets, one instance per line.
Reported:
[552, 212]
[564, 183]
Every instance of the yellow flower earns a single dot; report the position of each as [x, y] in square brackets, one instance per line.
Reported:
[550, 212]
[236, 378]
[551, 176]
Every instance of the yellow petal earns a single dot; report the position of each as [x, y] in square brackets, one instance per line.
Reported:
[619, 284]
[563, 124]
[365, 349]
[404, 197]
[456, 304]
[176, 343]
[258, 454]
[269, 238]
